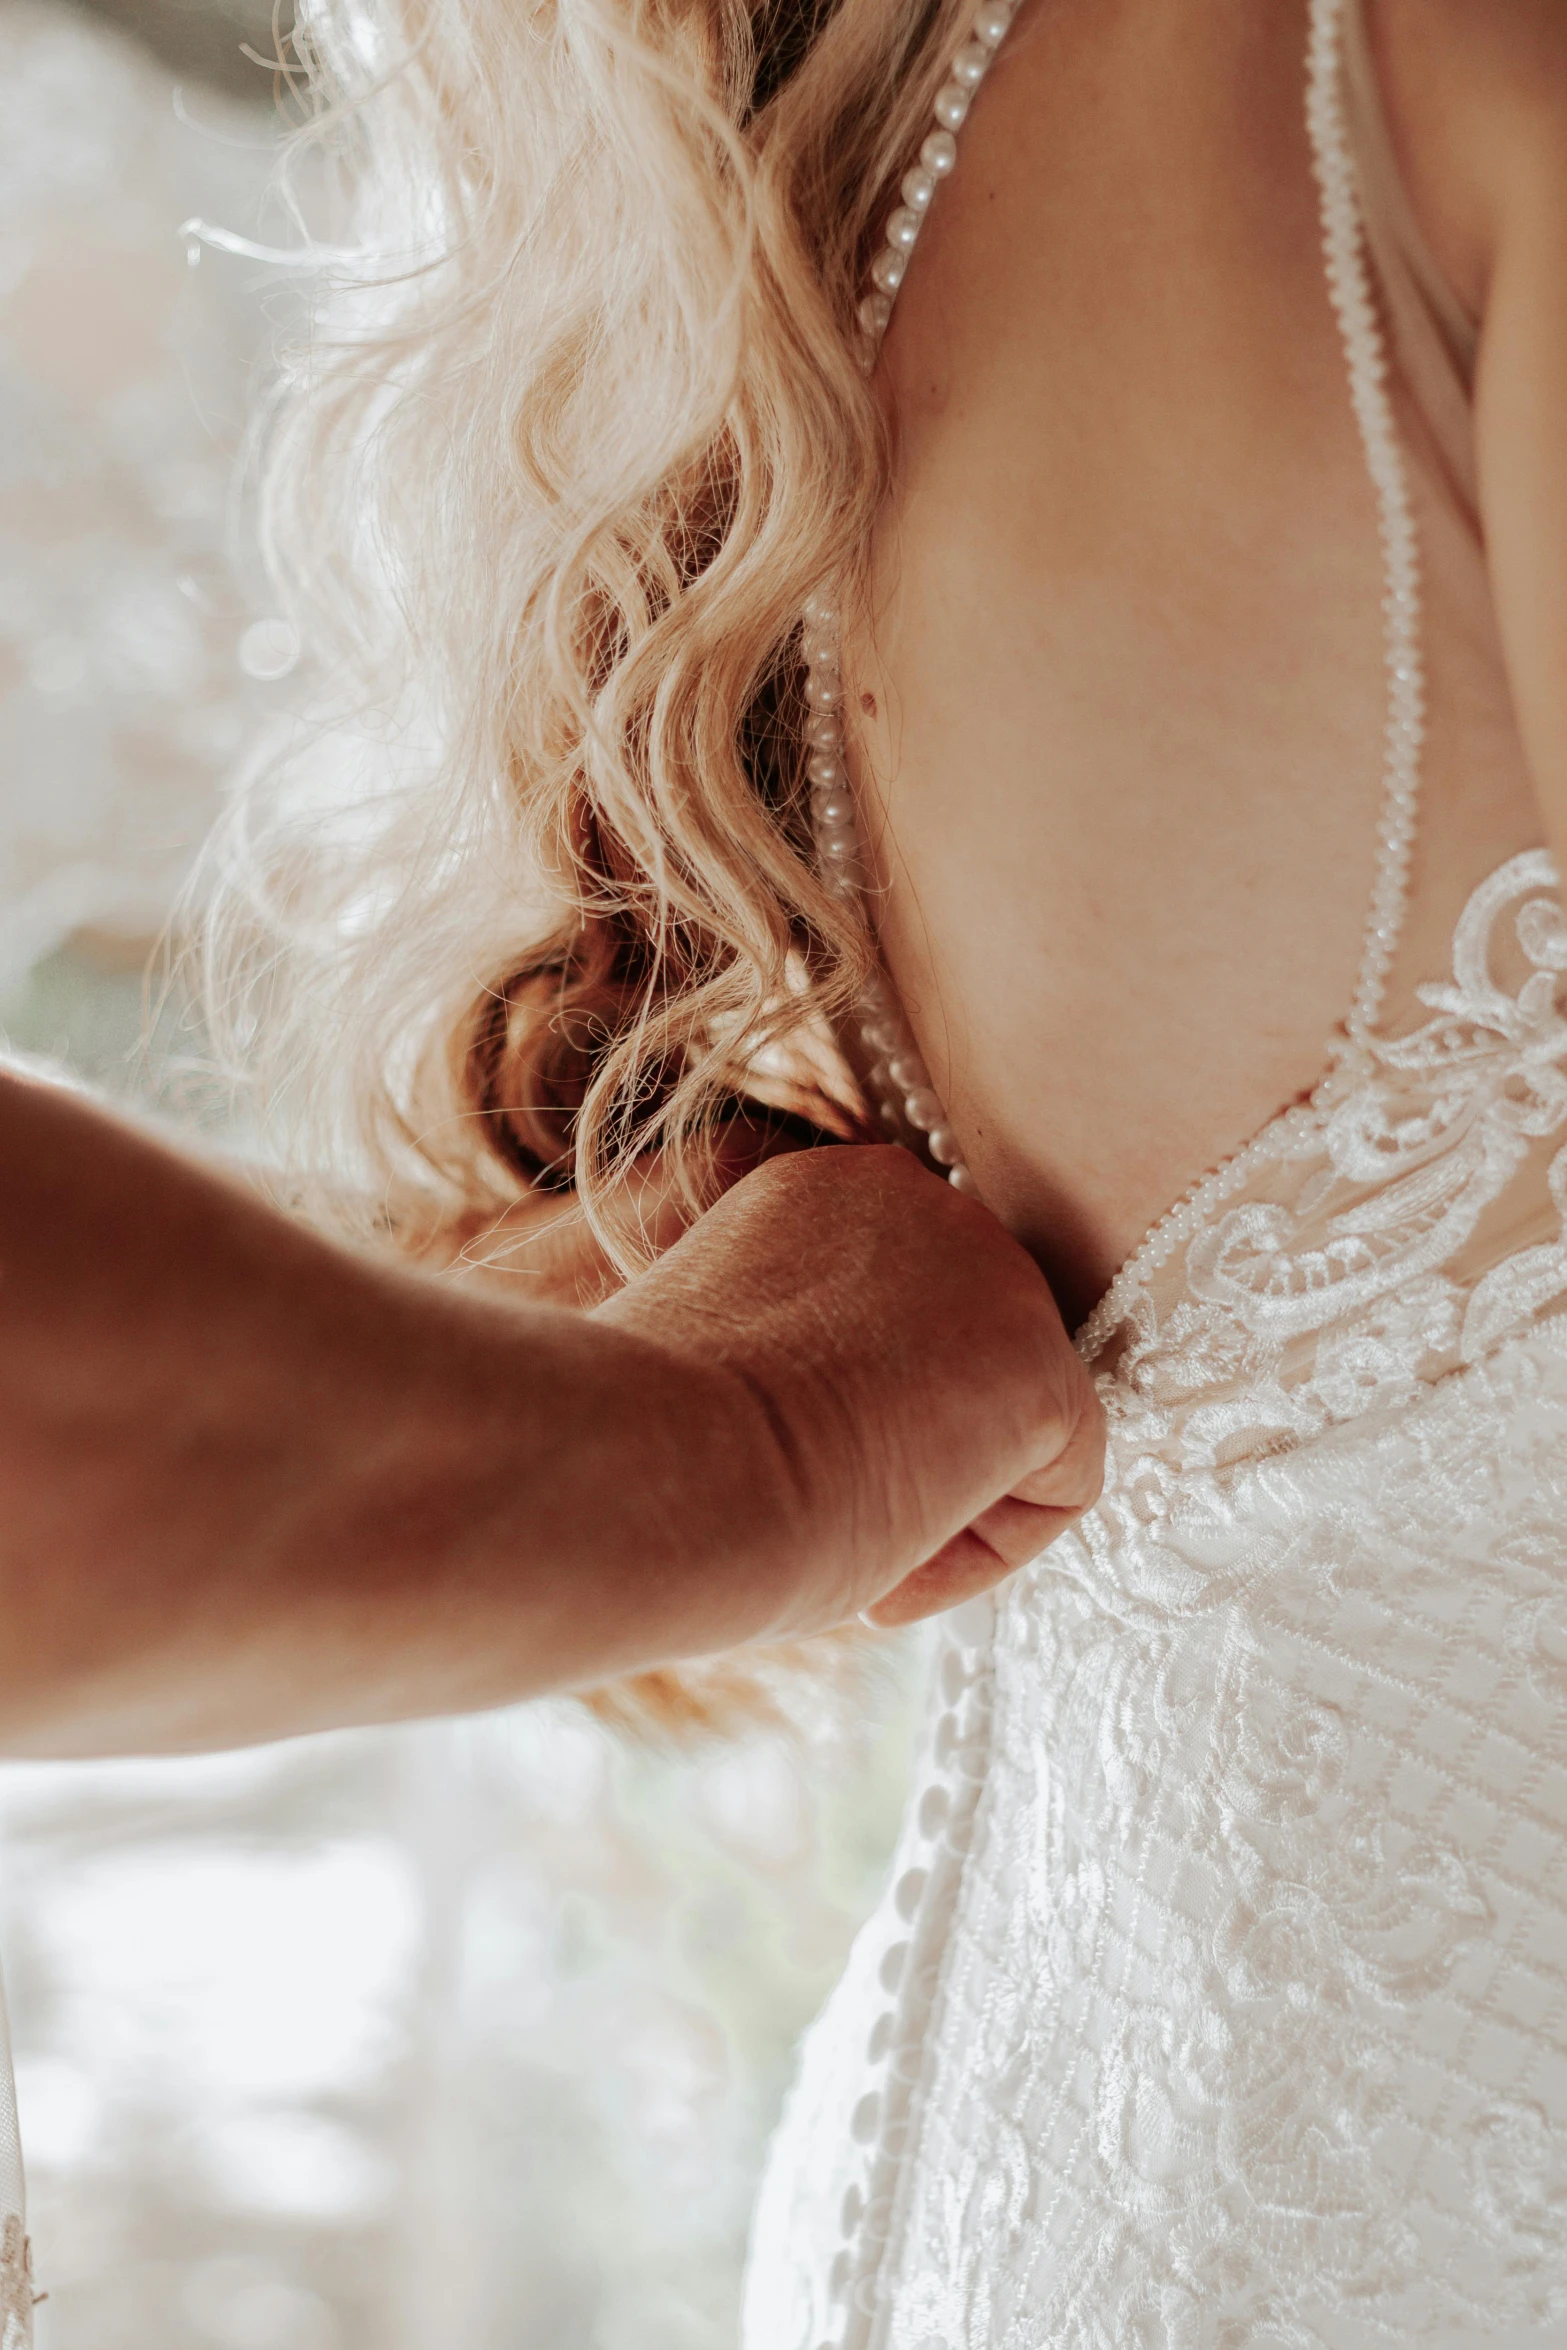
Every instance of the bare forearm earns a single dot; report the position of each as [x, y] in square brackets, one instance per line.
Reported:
[250, 1485]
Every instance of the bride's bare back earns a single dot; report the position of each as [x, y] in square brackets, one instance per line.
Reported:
[1120, 688]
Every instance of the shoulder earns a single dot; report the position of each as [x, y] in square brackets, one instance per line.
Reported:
[1476, 97]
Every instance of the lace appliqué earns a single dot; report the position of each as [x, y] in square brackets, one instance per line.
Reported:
[1248, 2028]
[1329, 1289]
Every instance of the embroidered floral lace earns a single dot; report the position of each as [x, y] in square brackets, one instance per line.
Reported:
[1221, 1995]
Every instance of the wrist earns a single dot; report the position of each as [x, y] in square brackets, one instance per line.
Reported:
[698, 1535]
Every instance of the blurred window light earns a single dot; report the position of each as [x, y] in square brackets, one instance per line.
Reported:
[464, 2033]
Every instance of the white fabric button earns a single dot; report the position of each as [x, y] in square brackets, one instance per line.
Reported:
[935, 1804]
[866, 2118]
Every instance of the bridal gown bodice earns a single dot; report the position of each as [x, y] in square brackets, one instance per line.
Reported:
[1218, 1998]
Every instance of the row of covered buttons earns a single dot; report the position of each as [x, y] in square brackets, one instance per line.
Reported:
[922, 1900]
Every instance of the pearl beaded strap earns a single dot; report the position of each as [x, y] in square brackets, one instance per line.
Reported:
[899, 1081]
[898, 1078]
[1349, 285]
[1365, 353]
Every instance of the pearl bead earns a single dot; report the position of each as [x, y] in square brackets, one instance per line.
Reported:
[922, 1109]
[939, 154]
[887, 270]
[835, 810]
[877, 1037]
[943, 1146]
[874, 313]
[838, 845]
[821, 611]
[909, 1073]
[918, 188]
[971, 64]
[822, 768]
[823, 729]
[961, 1180]
[823, 692]
[903, 228]
[951, 105]
[992, 24]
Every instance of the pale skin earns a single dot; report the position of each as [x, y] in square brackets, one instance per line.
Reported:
[1117, 682]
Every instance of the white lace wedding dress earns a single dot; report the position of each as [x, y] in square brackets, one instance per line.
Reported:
[1219, 1997]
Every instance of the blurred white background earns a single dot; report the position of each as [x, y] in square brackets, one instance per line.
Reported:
[466, 2037]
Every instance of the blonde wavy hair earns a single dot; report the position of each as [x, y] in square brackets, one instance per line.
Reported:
[579, 425]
